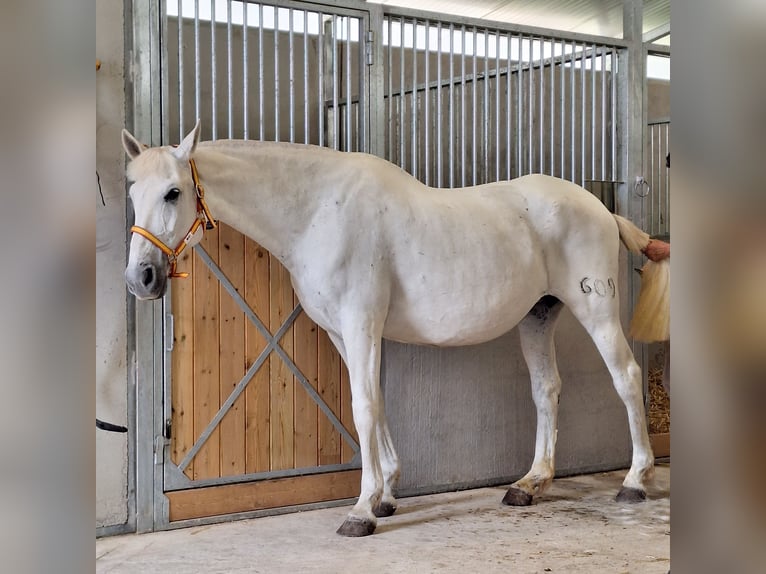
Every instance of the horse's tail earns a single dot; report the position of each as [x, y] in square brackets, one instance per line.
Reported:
[651, 317]
[634, 238]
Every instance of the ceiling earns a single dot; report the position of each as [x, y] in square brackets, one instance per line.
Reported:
[599, 17]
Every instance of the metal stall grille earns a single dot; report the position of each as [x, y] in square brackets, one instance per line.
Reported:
[656, 165]
[257, 406]
[466, 104]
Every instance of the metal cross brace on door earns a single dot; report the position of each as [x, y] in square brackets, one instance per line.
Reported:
[272, 344]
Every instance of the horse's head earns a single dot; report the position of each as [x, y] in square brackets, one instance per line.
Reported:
[165, 203]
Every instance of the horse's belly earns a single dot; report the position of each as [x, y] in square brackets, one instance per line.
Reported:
[455, 318]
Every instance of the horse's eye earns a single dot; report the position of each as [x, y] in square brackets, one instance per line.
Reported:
[173, 194]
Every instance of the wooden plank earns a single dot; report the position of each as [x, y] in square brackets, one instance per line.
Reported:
[206, 359]
[328, 379]
[258, 392]
[231, 249]
[182, 364]
[306, 410]
[660, 444]
[282, 384]
[249, 496]
[346, 414]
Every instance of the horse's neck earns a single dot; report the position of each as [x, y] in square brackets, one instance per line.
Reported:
[266, 191]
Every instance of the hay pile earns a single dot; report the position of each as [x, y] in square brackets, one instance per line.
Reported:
[659, 404]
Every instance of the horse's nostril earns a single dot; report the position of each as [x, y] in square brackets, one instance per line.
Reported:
[147, 276]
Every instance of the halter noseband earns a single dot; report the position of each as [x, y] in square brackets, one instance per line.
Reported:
[203, 216]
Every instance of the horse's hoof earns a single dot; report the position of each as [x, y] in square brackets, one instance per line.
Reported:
[384, 509]
[355, 527]
[630, 495]
[517, 497]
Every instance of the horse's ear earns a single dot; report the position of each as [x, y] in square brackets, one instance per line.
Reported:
[186, 148]
[131, 145]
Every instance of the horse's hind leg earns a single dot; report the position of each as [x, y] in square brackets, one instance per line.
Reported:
[536, 331]
[603, 325]
[389, 461]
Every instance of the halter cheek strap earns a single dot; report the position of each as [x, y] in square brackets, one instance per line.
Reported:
[203, 217]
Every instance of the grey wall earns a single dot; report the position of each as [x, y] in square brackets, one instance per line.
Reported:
[111, 363]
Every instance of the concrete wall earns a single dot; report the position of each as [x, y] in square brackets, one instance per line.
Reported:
[111, 367]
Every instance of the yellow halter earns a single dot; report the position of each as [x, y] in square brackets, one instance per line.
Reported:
[203, 216]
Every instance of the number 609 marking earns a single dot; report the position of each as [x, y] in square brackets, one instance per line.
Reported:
[597, 286]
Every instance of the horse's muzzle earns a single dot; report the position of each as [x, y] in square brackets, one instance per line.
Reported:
[147, 280]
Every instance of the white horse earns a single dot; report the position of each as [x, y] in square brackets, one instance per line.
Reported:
[374, 253]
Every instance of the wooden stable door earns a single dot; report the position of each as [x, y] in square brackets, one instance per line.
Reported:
[247, 436]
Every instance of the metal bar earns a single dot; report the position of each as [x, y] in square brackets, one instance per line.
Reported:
[451, 106]
[530, 109]
[180, 71]
[365, 83]
[666, 173]
[291, 51]
[562, 74]
[652, 218]
[245, 73]
[306, 121]
[277, 135]
[553, 110]
[485, 123]
[213, 73]
[390, 99]
[348, 83]
[229, 74]
[427, 110]
[613, 78]
[255, 476]
[519, 110]
[593, 114]
[414, 103]
[473, 112]
[583, 126]
[439, 111]
[261, 87]
[320, 77]
[509, 173]
[462, 108]
[402, 115]
[603, 113]
[541, 111]
[197, 75]
[573, 107]
[656, 33]
[497, 106]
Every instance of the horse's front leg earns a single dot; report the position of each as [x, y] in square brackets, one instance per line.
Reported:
[362, 342]
[389, 461]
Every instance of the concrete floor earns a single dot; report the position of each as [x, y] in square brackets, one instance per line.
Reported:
[575, 527]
